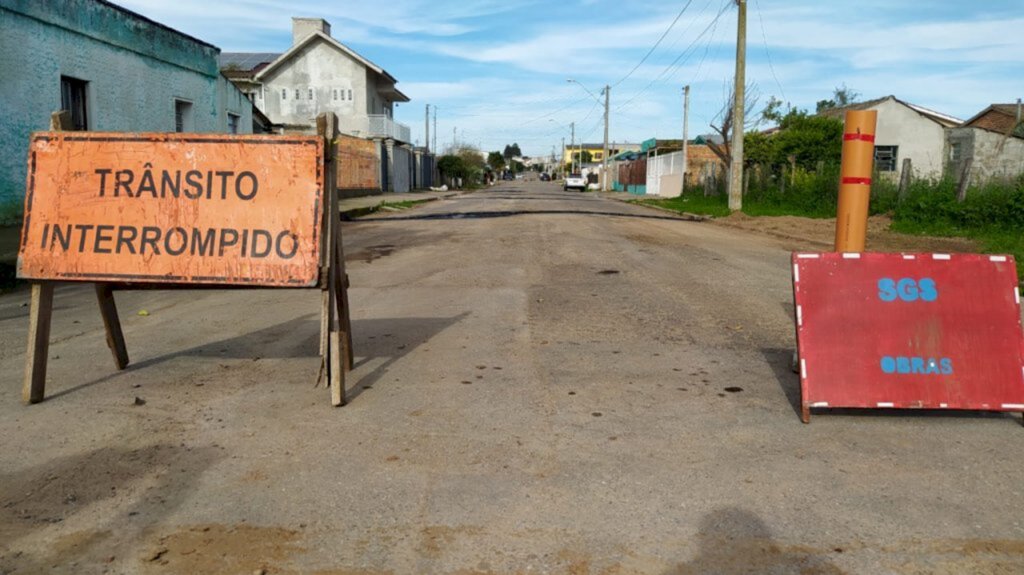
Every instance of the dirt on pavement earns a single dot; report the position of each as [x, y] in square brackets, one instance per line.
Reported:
[819, 233]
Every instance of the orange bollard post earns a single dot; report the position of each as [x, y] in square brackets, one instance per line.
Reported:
[855, 180]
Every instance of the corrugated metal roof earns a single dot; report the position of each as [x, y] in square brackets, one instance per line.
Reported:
[245, 60]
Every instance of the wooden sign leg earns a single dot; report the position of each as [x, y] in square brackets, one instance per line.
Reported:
[325, 326]
[112, 324]
[40, 312]
[341, 280]
[335, 364]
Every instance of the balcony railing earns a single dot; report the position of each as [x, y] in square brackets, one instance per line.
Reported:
[382, 126]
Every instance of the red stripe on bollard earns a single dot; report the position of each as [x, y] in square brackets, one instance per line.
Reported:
[862, 181]
[862, 137]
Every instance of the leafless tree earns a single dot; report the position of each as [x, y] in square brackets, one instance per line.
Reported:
[722, 124]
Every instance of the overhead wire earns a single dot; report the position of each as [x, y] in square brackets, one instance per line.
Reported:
[768, 53]
[679, 60]
[656, 44]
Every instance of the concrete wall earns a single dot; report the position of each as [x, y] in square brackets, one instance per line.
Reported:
[324, 69]
[135, 70]
[919, 138]
[993, 157]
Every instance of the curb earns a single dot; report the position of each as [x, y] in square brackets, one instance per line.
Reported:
[353, 213]
[681, 215]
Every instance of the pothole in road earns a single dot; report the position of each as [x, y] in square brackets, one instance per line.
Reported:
[607, 272]
[734, 389]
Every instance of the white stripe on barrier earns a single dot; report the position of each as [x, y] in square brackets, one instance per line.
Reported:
[1013, 406]
[808, 256]
[997, 258]
[884, 404]
[796, 273]
[851, 256]
[820, 404]
[909, 257]
[803, 368]
[799, 316]
[940, 256]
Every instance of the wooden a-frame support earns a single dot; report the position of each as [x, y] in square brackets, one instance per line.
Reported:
[41, 311]
[335, 322]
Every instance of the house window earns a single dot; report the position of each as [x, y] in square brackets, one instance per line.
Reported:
[296, 93]
[311, 93]
[182, 116]
[885, 158]
[233, 123]
[72, 99]
[350, 95]
[284, 94]
[335, 94]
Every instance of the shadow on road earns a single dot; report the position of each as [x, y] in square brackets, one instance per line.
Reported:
[387, 338]
[143, 485]
[780, 360]
[382, 342]
[733, 540]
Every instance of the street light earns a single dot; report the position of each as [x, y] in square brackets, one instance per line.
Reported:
[604, 156]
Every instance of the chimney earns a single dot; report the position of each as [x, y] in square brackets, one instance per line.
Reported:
[302, 27]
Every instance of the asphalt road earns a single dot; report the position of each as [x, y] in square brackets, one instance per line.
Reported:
[545, 382]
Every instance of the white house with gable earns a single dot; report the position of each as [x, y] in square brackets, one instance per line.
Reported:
[904, 131]
[319, 74]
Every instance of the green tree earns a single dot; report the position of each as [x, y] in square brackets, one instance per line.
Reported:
[496, 161]
[807, 139]
[583, 157]
[512, 151]
[841, 97]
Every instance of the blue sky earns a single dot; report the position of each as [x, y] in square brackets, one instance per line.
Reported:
[497, 70]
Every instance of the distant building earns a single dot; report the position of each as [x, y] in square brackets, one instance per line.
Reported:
[993, 140]
[596, 151]
[319, 74]
[906, 131]
[113, 69]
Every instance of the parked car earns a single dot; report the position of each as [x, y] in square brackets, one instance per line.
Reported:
[574, 182]
[507, 176]
[544, 177]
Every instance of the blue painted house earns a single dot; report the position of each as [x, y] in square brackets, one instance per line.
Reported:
[115, 70]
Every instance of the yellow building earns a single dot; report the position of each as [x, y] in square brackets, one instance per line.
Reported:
[596, 151]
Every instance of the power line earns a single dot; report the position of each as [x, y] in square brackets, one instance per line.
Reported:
[656, 44]
[766, 51]
[679, 59]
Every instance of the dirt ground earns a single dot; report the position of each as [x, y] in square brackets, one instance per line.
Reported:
[820, 233]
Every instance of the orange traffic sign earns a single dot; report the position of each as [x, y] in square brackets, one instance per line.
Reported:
[173, 208]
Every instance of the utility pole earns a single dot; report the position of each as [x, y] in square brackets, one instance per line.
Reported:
[604, 156]
[455, 137]
[572, 146]
[426, 130]
[686, 133]
[736, 161]
[434, 146]
[561, 161]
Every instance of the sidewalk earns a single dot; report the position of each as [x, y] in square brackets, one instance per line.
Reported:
[355, 207]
